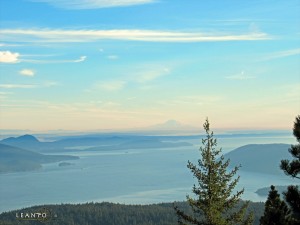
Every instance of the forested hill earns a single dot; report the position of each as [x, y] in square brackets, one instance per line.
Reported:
[109, 214]
[253, 157]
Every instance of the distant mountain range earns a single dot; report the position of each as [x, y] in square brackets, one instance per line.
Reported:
[169, 127]
[99, 142]
[260, 158]
[14, 159]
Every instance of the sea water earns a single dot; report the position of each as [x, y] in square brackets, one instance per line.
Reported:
[128, 176]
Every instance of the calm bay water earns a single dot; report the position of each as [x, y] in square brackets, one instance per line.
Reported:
[127, 176]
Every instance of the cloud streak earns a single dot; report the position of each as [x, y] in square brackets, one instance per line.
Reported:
[13, 86]
[4, 95]
[92, 4]
[240, 76]
[150, 75]
[111, 85]
[81, 59]
[142, 77]
[29, 86]
[283, 54]
[27, 72]
[197, 100]
[113, 57]
[65, 36]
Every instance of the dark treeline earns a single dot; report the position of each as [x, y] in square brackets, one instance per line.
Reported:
[111, 214]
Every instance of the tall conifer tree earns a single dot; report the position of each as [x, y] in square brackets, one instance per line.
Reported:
[214, 203]
[276, 210]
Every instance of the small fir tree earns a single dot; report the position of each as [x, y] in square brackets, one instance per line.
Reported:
[214, 203]
[292, 168]
[276, 210]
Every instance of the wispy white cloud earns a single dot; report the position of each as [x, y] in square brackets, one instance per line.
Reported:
[183, 102]
[9, 57]
[110, 104]
[147, 87]
[13, 86]
[114, 85]
[81, 59]
[50, 35]
[149, 75]
[4, 95]
[144, 76]
[29, 86]
[113, 57]
[27, 72]
[282, 54]
[9, 45]
[93, 4]
[240, 76]
[50, 84]
[197, 99]
[131, 98]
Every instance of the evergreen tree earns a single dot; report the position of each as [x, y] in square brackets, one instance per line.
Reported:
[214, 199]
[292, 168]
[276, 210]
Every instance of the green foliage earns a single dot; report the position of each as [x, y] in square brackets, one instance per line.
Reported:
[214, 203]
[292, 168]
[276, 210]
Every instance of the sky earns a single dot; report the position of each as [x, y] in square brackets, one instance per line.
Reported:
[118, 64]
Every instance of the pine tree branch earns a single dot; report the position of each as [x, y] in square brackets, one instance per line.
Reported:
[291, 168]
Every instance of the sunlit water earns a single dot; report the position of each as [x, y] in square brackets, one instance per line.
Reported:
[127, 176]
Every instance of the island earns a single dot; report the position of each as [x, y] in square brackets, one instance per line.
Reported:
[14, 159]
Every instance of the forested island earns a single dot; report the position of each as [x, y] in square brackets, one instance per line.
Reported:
[265, 190]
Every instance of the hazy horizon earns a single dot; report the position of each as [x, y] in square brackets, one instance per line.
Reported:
[157, 129]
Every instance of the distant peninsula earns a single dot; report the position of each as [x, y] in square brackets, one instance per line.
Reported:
[65, 164]
[14, 159]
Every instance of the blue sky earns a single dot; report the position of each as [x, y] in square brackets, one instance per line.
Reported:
[108, 64]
